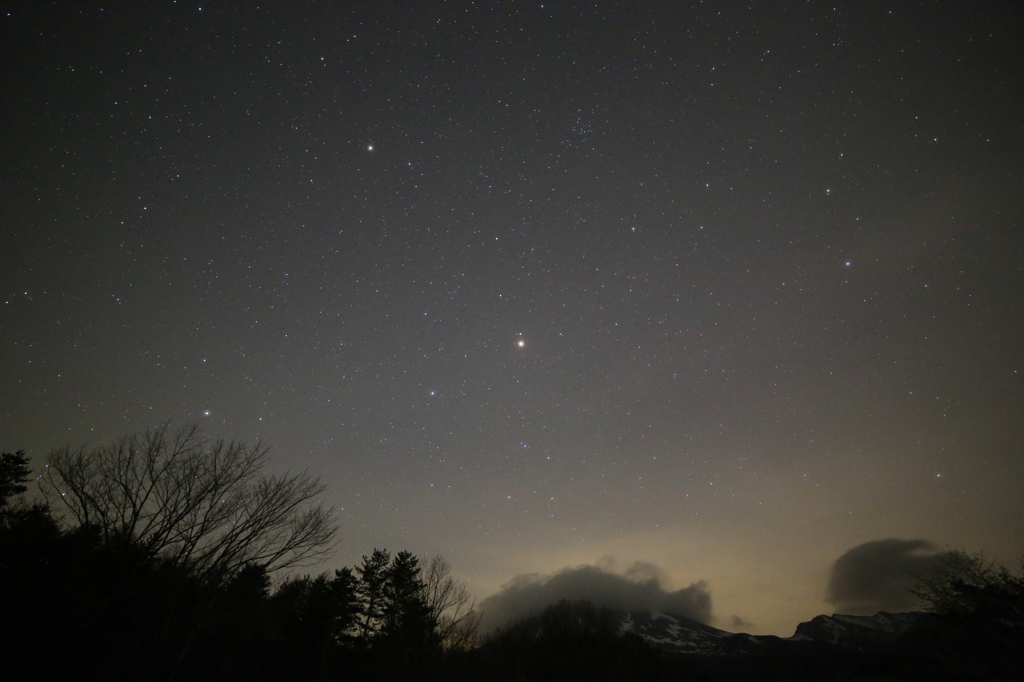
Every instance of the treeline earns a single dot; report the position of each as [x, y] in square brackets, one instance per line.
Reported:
[153, 558]
[77, 606]
[568, 640]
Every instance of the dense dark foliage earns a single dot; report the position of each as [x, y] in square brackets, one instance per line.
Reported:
[569, 640]
[82, 603]
[13, 475]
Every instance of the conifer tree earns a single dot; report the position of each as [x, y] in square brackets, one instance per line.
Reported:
[373, 577]
[407, 622]
[14, 474]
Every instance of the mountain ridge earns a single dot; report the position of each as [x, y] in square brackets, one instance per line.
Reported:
[677, 635]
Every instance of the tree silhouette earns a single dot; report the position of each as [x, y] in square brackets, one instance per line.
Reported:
[452, 609]
[163, 573]
[316, 617]
[979, 629]
[204, 504]
[14, 473]
[968, 584]
[407, 623]
[373, 576]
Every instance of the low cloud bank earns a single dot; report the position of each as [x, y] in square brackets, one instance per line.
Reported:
[638, 589]
[739, 624]
[874, 576]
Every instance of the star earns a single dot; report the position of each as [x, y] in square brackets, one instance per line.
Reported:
[521, 343]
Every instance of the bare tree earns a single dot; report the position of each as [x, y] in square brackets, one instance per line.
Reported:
[979, 626]
[969, 585]
[206, 504]
[452, 609]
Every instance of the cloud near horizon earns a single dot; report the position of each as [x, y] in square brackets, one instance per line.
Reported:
[874, 576]
[639, 588]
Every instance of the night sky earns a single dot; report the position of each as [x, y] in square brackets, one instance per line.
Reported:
[727, 287]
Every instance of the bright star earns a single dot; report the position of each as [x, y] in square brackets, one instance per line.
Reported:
[520, 343]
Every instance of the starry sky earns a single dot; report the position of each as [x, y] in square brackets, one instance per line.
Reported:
[726, 287]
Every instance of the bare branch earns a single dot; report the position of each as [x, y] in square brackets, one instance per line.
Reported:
[205, 504]
[452, 608]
